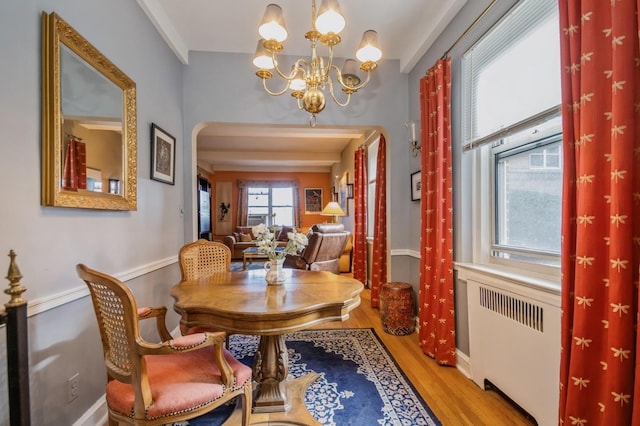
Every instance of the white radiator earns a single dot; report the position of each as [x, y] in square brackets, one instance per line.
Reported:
[514, 343]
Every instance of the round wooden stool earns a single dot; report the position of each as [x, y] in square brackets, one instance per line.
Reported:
[397, 308]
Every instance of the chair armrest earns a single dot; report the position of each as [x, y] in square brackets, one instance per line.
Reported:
[193, 342]
[294, 261]
[229, 241]
[159, 313]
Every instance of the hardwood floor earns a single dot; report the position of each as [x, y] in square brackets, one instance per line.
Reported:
[453, 398]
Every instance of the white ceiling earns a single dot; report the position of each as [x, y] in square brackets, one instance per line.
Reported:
[225, 146]
[406, 29]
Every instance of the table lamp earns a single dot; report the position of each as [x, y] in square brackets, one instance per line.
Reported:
[333, 209]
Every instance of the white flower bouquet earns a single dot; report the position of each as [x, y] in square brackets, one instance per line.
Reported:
[267, 243]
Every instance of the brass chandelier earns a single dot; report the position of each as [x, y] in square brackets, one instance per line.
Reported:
[308, 78]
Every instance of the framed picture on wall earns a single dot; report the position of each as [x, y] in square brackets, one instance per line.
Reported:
[163, 155]
[312, 200]
[416, 186]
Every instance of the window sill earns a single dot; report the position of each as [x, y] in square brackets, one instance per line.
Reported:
[513, 276]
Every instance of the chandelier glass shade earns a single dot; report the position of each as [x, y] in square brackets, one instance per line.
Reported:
[308, 78]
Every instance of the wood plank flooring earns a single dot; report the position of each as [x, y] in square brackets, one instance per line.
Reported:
[455, 399]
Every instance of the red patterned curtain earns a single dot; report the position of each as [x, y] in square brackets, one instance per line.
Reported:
[601, 215]
[360, 215]
[379, 256]
[436, 312]
[74, 173]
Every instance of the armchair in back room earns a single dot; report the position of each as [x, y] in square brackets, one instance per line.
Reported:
[326, 246]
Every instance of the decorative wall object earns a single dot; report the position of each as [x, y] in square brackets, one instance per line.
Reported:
[344, 193]
[416, 185]
[82, 87]
[163, 155]
[223, 208]
[313, 200]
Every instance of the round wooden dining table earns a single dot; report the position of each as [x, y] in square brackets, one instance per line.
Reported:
[242, 302]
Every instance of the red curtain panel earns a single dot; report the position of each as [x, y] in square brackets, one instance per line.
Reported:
[360, 216]
[74, 173]
[379, 255]
[69, 178]
[436, 308]
[601, 217]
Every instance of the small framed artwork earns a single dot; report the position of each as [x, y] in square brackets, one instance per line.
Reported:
[334, 194]
[312, 200]
[163, 155]
[416, 186]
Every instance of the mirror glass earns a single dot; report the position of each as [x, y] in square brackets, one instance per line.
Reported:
[89, 124]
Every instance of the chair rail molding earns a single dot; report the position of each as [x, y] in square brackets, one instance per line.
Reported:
[405, 252]
[52, 301]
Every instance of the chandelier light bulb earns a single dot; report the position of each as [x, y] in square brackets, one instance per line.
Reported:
[368, 50]
[262, 58]
[298, 83]
[330, 19]
[272, 26]
[350, 73]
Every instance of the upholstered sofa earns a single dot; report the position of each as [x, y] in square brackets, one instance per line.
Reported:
[243, 238]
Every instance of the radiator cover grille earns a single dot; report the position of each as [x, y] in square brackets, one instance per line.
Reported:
[516, 309]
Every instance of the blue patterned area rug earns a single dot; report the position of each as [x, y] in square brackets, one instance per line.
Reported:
[360, 382]
[256, 264]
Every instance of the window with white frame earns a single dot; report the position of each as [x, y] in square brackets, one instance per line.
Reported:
[271, 206]
[511, 80]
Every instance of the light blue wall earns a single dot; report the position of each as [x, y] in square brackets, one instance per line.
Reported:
[222, 87]
[50, 241]
[462, 168]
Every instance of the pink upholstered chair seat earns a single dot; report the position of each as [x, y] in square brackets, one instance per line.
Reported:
[164, 382]
[178, 382]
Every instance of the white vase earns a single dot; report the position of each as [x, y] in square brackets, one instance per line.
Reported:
[275, 272]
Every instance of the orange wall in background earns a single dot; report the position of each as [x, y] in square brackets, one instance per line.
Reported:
[305, 180]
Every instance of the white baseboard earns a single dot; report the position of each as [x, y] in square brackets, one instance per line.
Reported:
[96, 415]
[463, 364]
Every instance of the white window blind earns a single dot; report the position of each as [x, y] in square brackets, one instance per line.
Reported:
[515, 72]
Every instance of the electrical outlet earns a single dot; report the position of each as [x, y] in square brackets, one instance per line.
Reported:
[73, 386]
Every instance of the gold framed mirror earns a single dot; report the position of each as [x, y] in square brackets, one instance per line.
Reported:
[89, 134]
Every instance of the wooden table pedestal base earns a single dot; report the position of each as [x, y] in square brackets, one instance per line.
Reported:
[297, 413]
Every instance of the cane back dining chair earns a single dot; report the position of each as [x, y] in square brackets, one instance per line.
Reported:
[202, 258]
[155, 384]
